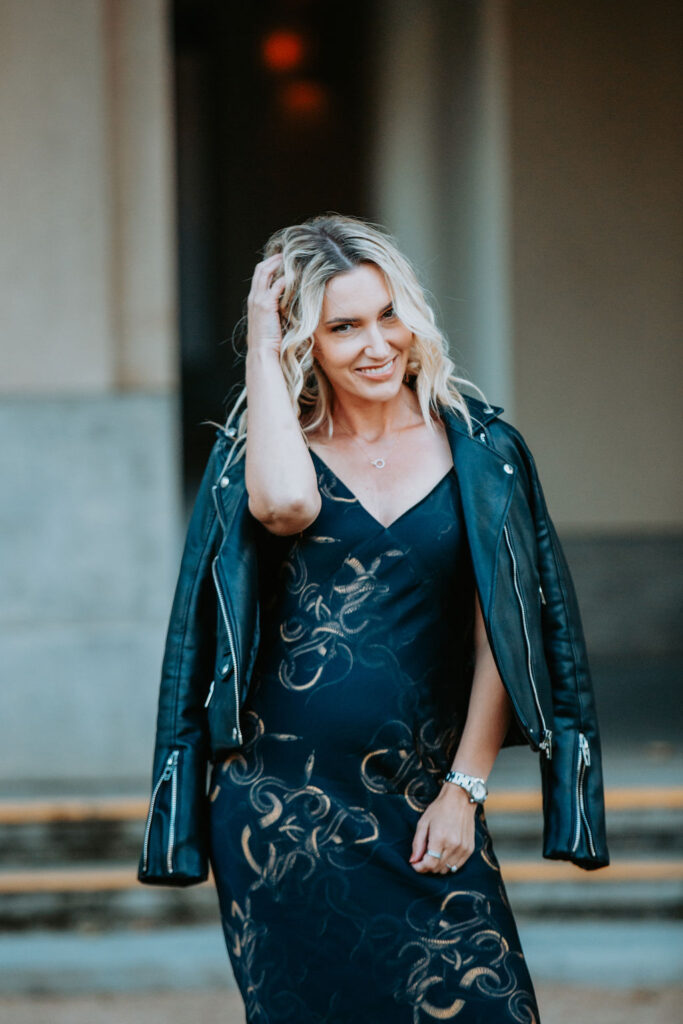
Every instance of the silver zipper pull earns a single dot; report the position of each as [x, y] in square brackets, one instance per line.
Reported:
[540, 590]
[171, 762]
[546, 743]
[208, 699]
[585, 749]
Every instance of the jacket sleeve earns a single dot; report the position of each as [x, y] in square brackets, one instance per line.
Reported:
[175, 843]
[572, 780]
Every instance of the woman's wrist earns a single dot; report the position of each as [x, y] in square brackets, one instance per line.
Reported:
[262, 355]
[457, 794]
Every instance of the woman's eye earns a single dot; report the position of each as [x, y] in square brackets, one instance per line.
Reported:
[389, 312]
[339, 329]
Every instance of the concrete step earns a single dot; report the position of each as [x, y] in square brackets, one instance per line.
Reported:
[625, 955]
[103, 896]
[65, 862]
[54, 832]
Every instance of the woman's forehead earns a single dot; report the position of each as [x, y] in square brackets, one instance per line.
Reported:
[357, 292]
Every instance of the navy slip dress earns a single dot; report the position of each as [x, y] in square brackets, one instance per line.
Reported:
[353, 716]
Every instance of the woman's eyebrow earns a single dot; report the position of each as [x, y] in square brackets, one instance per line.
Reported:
[350, 319]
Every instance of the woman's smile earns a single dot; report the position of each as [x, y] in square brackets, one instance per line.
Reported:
[382, 372]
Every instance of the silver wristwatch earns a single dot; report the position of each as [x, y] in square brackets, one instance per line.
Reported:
[475, 787]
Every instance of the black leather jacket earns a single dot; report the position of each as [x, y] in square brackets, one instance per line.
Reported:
[532, 622]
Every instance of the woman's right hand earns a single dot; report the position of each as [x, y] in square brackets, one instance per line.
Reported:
[264, 333]
[279, 472]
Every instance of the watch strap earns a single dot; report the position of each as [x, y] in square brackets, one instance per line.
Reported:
[467, 783]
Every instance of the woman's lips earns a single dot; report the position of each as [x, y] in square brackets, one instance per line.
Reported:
[380, 372]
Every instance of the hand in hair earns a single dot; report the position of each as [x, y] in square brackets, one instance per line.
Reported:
[264, 332]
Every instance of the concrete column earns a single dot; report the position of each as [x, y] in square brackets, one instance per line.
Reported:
[55, 281]
[440, 170]
[405, 173]
[91, 530]
[142, 207]
[598, 253]
[87, 263]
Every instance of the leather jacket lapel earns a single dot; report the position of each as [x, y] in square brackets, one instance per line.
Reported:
[486, 491]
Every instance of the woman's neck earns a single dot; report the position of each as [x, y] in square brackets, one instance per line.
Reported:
[371, 419]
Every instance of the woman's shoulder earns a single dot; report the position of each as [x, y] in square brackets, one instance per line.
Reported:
[502, 435]
[489, 416]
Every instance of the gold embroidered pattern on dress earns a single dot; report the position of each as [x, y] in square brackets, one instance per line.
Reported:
[308, 854]
[296, 824]
[331, 617]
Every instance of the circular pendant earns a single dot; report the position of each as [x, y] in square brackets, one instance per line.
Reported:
[379, 463]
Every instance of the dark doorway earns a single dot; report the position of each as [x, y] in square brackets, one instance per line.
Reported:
[271, 128]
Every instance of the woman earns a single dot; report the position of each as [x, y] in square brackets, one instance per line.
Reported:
[356, 584]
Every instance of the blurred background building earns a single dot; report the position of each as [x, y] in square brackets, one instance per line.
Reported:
[527, 156]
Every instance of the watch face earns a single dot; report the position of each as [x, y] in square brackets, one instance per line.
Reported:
[478, 791]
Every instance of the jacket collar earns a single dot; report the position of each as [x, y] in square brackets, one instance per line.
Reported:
[486, 490]
[481, 414]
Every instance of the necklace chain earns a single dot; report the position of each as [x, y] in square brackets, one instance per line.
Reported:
[378, 461]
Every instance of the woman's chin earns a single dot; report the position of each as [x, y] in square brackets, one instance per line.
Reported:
[380, 390]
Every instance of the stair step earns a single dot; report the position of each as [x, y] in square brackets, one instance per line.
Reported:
[510, 801]
[115, 877]
[72, 809]
[84, 852]
[51, 833]
[586, 955]
[106, 896]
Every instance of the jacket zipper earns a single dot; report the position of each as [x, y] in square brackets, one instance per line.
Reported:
[233, 651]
[208, 699]
[169, 772]
[583, 762]
[236, 732]
[546, 742]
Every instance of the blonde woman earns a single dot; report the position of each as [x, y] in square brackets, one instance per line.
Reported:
[374, 589]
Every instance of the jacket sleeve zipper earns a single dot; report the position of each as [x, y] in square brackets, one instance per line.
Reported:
[584, 760]
[171, 824]
[546, 743]
[547, 740]
[237, 733]
[169, 772]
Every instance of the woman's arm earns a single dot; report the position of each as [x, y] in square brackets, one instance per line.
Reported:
[279, 472]
[576, 728]
[447, 825]
[489, 711]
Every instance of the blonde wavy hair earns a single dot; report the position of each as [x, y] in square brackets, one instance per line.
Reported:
[313, 253]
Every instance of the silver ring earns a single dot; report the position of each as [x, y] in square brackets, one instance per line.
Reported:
[433, 853]
[452, 867]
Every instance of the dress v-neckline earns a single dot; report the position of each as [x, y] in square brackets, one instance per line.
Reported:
[362, 507]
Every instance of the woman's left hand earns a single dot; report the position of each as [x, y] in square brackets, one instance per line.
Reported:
[447, 827]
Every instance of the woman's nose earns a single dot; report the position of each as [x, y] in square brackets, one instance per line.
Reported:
[376, 344]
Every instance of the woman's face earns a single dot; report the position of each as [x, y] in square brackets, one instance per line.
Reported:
[359, 342]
